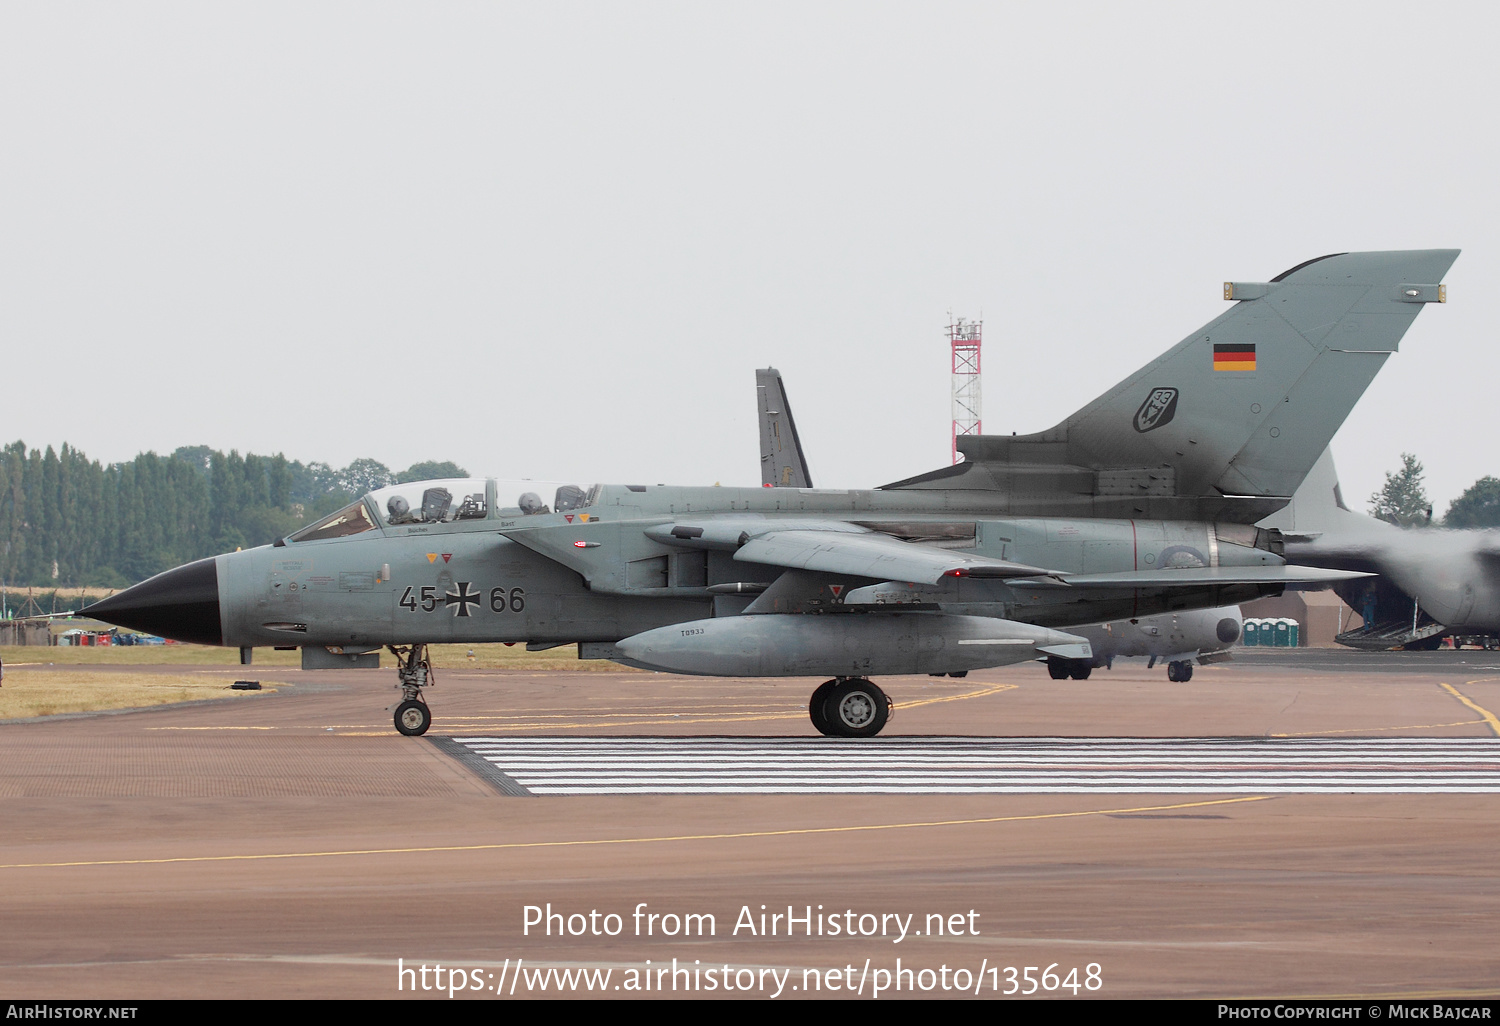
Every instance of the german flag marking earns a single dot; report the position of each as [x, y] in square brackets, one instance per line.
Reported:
[1234, 357]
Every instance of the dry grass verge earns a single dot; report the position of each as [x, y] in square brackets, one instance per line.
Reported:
[141, 655]
[28, 693]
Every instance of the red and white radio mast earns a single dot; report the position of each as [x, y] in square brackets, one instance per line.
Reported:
[964, 336]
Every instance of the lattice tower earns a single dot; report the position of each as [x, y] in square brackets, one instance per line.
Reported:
[964, 337]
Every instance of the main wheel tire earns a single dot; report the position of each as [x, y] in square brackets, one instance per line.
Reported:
[815, 708]
[1057, 668]
[413, 718]
[857, 708]
[1080, 670]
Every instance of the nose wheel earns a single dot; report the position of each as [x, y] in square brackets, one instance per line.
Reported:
[849, 707]
[413, 718]
[413, 673]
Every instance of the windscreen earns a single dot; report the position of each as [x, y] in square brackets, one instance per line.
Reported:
[352, 519]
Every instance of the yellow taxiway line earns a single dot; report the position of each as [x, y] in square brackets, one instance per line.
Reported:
[1489, 717]
[1372, 730]
[740, 835]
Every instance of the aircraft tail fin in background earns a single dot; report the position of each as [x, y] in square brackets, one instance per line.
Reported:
[782, 463]
[1227, 423]
[1317, 521]
[1316, 507]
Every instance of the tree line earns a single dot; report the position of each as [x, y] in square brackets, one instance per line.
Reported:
[1403, 500]
[66, 520]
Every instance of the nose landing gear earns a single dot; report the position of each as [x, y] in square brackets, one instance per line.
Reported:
[413, 718]
[849, 707]
[413, 673]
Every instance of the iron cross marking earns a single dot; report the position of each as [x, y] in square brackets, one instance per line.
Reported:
[463, 599]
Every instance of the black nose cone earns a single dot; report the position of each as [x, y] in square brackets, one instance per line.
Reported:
[181, 604]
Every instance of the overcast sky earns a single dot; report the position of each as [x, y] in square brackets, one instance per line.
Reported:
[555, 240]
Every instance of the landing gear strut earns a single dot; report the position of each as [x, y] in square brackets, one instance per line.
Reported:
[413, 673]
[849, 707]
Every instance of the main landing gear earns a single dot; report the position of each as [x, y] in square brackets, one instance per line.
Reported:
[413, 673]
[849, 707]
[1180, 670]
[1061, 669]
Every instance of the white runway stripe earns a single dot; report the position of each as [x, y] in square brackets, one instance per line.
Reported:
[946, 765]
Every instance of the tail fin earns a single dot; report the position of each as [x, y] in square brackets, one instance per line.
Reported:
[1317, 506]
[782, 464]
[1228, 422]
[1317, 522]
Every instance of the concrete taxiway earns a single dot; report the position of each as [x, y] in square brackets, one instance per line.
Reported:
[293, 845]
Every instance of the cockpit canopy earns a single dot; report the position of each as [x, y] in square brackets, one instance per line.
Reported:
[432, 502]
[450, 501]
[531, 498]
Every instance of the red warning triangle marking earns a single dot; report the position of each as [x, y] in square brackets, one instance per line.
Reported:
[837, 589]
[568, 517]
[447, 556]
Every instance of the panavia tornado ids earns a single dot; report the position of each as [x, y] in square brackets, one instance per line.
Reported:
[1143, 502]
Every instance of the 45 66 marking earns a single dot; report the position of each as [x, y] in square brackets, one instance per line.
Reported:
[461, 597]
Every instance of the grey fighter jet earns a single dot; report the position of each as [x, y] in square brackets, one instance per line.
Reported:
[1177, 639]
[1165, 475]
